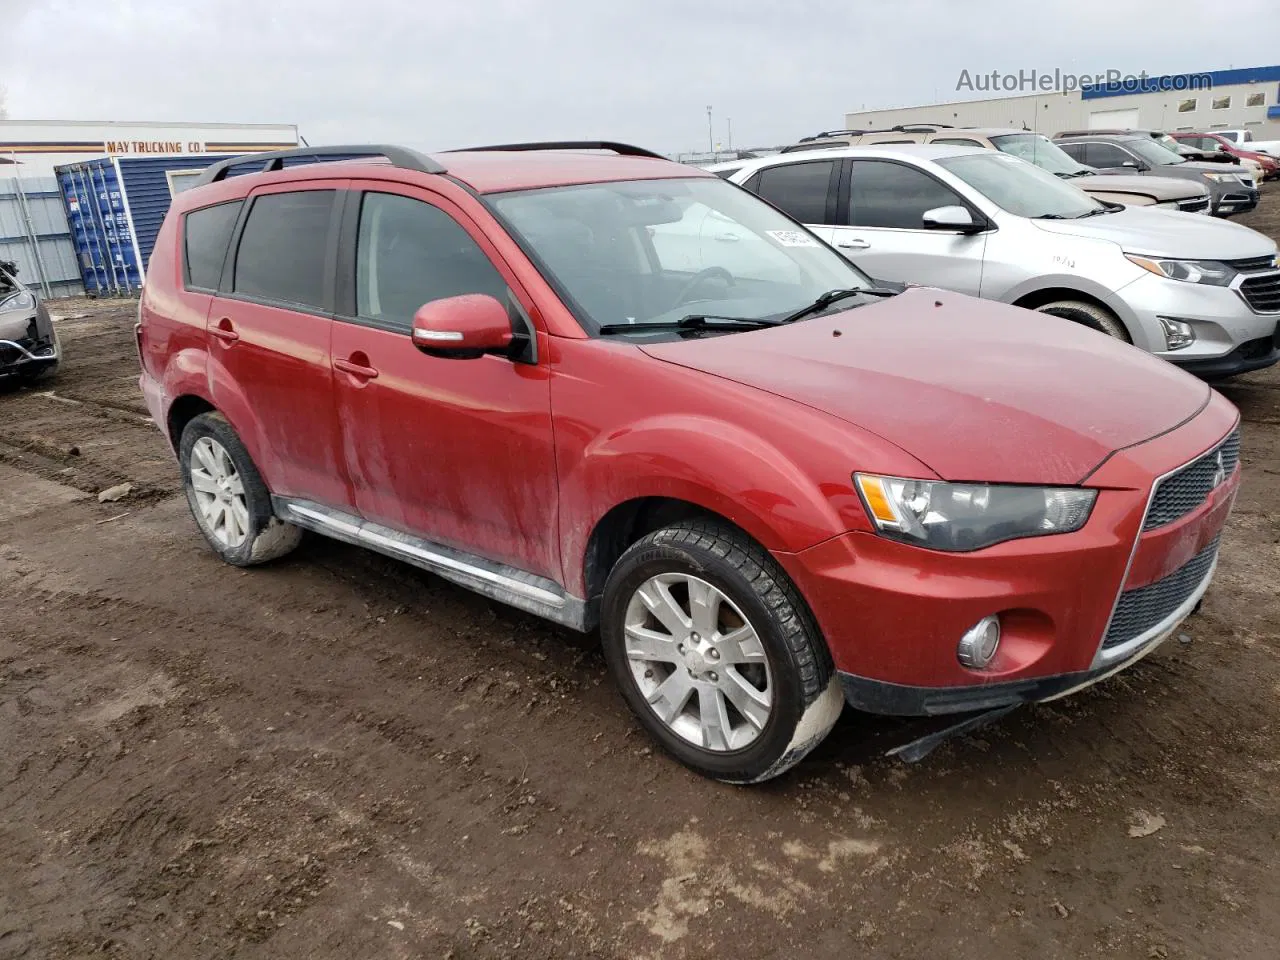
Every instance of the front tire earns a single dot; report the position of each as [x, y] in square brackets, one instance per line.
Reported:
[716, 654]
[227, 496]
[1089, 315]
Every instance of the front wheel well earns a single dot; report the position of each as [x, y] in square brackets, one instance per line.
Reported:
[181, 412]
[628, 522]
[1038, 298]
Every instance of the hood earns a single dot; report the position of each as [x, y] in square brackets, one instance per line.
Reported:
[1167, 233]
[1193, 166]
[1161, 188]
[976, 390]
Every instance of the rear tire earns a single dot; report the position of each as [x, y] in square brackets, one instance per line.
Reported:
[1088, 314]
[716, 654]
[227, 496]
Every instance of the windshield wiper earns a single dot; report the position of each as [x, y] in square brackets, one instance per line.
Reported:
[694, 321]
[1105, 208]
[831, 296]
[1052, 216]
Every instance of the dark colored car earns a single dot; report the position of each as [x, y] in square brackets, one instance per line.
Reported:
[29, 347]
[619, 392]
[1231, 190]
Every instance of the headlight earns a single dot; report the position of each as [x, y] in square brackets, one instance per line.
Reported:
[969, 516]
[1222, 177]
[1212, 272]
[22, 300]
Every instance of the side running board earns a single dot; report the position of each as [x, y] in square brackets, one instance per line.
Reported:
[508, 585]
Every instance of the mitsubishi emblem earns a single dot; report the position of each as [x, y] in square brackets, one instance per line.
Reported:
[1220, 474]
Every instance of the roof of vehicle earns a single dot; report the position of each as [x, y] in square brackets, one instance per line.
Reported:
[922, 151]
[482, 169]
[1109, 137]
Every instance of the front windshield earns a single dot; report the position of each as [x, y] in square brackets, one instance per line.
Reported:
[655, 251]
[1041, 151]
[1021, 188]
[1156, 155]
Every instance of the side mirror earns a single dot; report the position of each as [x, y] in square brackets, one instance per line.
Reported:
[462, 328]
[1131, 164]
[950, 218]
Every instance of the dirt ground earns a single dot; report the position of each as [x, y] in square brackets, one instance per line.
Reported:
[340, 757]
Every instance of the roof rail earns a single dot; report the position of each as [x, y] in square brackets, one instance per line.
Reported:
[920, 127]
[834, 133]
[401, 157]
[623, 149]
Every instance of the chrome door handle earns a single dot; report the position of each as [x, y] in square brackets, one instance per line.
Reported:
[853, 244]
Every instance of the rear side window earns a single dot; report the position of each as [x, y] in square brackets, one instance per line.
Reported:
[410, 253]
[206, 234]
[282, 249]
[884, 194]
[799, 189]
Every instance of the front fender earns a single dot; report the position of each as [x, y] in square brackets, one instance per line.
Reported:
[720, 467]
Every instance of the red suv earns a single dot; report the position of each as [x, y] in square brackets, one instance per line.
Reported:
[616, 391]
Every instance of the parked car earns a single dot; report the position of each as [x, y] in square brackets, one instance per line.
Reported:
[29, 345]
[1184, 150]
[1246, 138]
[1202, 294]
[1173, 193]
[1231, 190]
[774, 488]
[1266, 167]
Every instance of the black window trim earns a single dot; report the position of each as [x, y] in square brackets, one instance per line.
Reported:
[187, 285]
[226, 286]
[987, 224]
[346, 309]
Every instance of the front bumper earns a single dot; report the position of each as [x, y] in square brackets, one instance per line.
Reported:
[892, 614]
[27, 345]
[1233, 198]
[1230, 337]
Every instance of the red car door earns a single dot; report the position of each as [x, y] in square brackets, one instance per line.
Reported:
[269, 333]
[455, 451]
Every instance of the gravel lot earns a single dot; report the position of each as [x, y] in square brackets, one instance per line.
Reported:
[341, 757]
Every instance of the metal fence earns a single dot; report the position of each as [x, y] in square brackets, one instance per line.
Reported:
[35, 235]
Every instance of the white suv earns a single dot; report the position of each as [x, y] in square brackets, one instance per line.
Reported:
[1202, 293]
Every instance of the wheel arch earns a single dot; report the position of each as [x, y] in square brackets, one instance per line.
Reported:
[1039, 297]
[629, 521]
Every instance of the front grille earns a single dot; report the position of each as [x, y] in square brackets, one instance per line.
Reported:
[1196, 205]
[1253, 264]
[1262, 293]
[1141, 609]
[1180, 493]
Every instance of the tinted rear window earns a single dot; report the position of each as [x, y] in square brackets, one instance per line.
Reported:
[799, 189]
[282, 249]
[208, 232]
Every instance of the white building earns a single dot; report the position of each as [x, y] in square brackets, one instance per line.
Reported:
[1223, 99]
[32, 148]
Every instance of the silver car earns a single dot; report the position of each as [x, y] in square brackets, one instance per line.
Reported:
[1201, 293]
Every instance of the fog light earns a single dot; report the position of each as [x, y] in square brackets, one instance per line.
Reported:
[979, 644]
[1177, 333]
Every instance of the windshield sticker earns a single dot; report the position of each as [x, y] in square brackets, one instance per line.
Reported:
[792, 238]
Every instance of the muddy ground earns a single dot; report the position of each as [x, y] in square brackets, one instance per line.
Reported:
[338, 756]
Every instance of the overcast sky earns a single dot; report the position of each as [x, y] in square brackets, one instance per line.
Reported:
[448, 73]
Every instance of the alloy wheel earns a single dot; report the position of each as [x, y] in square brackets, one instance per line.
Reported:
[219, 492]
[698, 662]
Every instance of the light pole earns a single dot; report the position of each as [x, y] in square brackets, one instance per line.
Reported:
[711, 136]
[729, 122]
